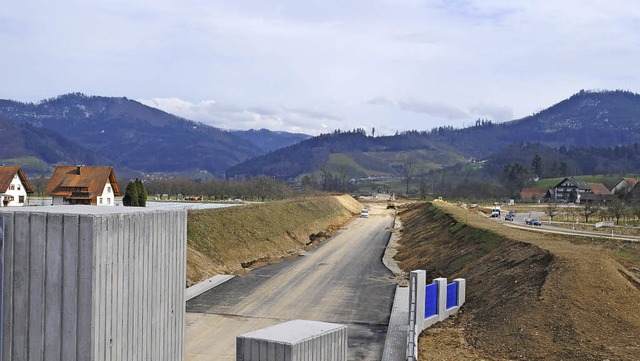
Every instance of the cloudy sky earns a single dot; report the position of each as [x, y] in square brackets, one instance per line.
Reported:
[315, 66]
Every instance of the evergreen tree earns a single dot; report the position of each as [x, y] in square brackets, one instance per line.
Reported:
[142, 193]
[536, 165]
[135, 195]
[130, 198]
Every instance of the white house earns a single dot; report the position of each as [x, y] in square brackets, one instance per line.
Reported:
[83, 185]
[14, 187]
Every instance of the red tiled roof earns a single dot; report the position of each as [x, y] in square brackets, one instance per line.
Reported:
[631, 181]
[89, 183]
[6, 176]
[529, 193]
[599, 188]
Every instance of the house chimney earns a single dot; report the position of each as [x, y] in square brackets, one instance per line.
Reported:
[79, 169]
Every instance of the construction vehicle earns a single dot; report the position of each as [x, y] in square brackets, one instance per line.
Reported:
[391, 203]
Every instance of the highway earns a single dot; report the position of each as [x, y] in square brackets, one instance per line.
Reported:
[343, 281]
[519, 222]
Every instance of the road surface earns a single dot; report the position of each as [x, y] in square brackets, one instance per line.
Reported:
[519, 221]
[342, 281]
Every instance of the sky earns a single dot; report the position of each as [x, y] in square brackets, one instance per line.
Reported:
[316, 66]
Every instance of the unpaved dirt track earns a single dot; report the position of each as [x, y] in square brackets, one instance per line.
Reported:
[342, 281]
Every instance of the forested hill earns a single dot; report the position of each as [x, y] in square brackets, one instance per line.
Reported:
[134, 135]
[588, 119]
[24, 140]
[268, 140]
[360, 155]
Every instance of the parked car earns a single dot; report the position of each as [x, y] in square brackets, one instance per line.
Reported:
[364, 213]
[509, 217]
[536, 222]
[528, 220]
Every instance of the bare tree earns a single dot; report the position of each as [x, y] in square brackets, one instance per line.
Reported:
[424, 189]
[617, 208]
[342, 171]
[551, 210]
[408, 167]
[587, 210]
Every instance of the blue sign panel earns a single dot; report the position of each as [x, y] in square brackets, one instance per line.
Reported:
[431, 300]
[452, 295]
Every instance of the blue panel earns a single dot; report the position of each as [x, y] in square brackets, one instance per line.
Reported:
[431, 300]
[452, 295]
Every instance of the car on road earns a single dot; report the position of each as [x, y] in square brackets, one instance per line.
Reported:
[364, 213]
[509, 217]
[535, 222]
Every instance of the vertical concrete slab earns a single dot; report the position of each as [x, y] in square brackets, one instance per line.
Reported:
[462, 290]
[53, 288]
[85, 268]
[70, 250]
[7, 286]
[442, 297]
[20, 286]
[37, 246]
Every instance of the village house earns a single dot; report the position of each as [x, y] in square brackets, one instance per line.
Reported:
[83, 185]
[14, 187]
[624, 185]
[577, 190]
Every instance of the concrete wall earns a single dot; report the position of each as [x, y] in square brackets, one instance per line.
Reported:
[418, 318]
[297, 340]
[93, 283]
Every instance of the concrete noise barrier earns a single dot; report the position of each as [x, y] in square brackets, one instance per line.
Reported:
[429, 304]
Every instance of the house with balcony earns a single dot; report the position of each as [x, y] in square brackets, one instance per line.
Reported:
[577, 191]
[14, 187]
[91, 185]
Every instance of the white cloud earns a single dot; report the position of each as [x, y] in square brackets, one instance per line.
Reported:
[233, 117]
[434, 62]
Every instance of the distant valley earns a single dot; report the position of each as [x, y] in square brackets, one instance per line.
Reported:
[591, 131]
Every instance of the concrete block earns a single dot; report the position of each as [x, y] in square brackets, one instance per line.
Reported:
[297, 340]
[92, 283]
[442, 297]
[462, 289]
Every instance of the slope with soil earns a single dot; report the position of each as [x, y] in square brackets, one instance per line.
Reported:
[530, 296]
[231, 240]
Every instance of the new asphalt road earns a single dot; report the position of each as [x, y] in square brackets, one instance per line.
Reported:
[342, 281]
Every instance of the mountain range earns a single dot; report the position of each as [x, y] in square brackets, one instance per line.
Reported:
[80, 129]
[588, 119]
[75, 128]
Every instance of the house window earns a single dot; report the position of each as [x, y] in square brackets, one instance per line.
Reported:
[12, 187]
[20, 199]
[108, 189]
[99, 200]
[108, 200]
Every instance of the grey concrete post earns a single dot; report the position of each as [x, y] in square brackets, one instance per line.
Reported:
[442, 297]
[417, 284]
[462, 288]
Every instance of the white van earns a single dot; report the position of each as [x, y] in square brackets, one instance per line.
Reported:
[364, 213]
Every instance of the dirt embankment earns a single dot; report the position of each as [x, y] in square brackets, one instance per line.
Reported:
[530, 296]
[231, 240]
